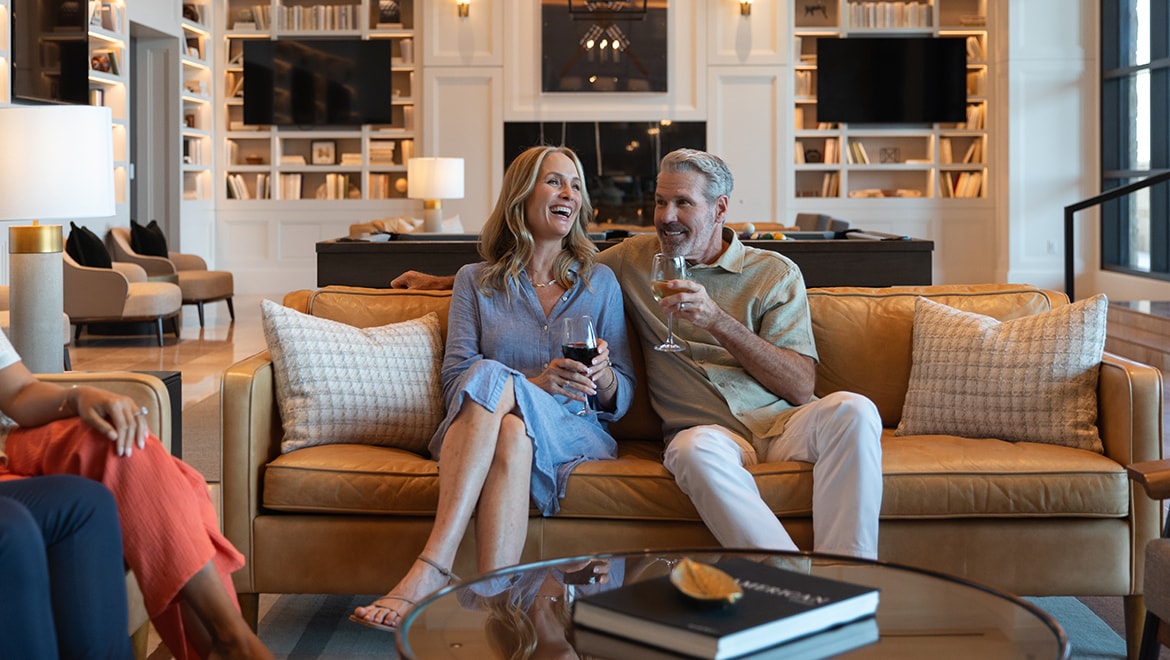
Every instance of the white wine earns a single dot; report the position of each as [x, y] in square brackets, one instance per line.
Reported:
[662, 289]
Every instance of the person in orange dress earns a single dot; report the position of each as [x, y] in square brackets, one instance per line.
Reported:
[170, 534]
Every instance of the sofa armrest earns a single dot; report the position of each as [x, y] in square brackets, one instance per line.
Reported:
[251, 439]
[1129, 410]
[146, 390]
[1154, 477]
[1129, 419]
[184, 261]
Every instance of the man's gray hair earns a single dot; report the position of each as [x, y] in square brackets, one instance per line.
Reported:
[719, 181]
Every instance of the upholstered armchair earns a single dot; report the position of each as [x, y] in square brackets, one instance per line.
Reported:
[149, 392]
[120, 294]
[198, 284]
[1154, 478]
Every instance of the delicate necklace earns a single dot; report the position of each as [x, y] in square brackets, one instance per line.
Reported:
[538, 286]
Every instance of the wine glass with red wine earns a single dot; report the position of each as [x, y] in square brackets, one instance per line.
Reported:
[579, 342]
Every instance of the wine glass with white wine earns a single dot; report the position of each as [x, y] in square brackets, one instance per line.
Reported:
[579, 342]
[665, 269]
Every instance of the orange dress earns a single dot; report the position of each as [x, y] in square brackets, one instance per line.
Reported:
[169, 525]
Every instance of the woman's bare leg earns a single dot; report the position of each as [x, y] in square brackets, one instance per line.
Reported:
[501, 519]
[468, 449]
[216, 622]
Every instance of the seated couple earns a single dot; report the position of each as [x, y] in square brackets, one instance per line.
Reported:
[741, 392]
[62, 576]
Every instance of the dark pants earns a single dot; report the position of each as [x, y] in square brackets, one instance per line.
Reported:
[62, 577]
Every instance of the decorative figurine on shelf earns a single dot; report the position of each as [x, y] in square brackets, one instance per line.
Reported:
[389, 12]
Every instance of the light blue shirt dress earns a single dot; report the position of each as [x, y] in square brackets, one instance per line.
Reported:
[492, 338]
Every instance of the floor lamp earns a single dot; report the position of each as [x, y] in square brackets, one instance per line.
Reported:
[57, 162]
[433, 180]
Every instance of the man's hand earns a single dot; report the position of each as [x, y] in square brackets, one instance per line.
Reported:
[412, 279]
[691, 302]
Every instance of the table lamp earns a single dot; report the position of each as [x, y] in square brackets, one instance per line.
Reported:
[433, 180]
[57, 162]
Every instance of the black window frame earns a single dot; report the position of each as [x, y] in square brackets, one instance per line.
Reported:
[1115, 137]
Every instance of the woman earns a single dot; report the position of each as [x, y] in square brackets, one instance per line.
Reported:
[170, 534]
[511, 437]
[61, 573]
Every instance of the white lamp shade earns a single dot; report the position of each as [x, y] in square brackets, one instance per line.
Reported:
[57, 162]
[434, 178]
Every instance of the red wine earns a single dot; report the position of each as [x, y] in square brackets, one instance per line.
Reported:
[580, 351]
[583, 353]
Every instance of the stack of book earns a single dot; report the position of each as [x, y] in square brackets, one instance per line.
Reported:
[781, 614]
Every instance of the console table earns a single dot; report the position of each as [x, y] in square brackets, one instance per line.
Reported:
[824, 262]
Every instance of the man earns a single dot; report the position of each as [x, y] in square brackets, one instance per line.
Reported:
[742, 391]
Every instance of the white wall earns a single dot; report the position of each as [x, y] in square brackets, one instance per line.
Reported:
[735, 73]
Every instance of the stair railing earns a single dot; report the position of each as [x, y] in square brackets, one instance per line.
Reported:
[1097, 200]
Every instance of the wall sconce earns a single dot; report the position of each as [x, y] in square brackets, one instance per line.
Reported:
[464, 8]
[745, 7]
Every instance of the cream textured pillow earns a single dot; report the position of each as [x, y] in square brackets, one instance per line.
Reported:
[1028, 379]
[337, 383]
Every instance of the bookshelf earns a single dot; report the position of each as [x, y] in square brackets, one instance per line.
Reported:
[855, 161]
[108, 86]
[359, 164]
[197, 120]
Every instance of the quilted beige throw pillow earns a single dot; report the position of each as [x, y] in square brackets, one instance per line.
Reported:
[1028, 379]
[337, 383]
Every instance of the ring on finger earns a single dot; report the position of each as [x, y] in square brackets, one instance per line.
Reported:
[141, 412]
[682, 306]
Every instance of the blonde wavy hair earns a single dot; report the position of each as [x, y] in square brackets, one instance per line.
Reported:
[506, 242]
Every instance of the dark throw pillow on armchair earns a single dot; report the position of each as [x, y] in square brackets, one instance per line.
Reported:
[86, 248]
[148, 240]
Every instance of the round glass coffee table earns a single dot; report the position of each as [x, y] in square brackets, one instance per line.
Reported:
[921, 614]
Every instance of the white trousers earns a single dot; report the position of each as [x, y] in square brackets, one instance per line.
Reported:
[839, 434]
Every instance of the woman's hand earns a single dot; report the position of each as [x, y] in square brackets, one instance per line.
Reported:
[116, 416]
[565, 377]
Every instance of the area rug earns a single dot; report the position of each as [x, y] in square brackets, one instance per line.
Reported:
[201, 437]
[306, 627]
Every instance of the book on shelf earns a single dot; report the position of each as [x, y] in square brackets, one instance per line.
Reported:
[945, 153]
[969, 184]
[827, 644]
[975, 52]
[974, 152]
[290, 186]
[946, 186]
[830, 185]
[777, 606]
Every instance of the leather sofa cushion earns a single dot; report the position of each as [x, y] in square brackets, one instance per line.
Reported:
[344, 478]
[925, 477]
[863, 335]
[943, 476]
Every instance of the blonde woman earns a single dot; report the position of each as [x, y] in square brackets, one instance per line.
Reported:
[511, 436]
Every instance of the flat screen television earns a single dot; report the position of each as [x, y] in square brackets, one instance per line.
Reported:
[317, 82]
[50, 51]
[895, 80]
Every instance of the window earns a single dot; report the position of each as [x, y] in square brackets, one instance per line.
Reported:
[1135, 126]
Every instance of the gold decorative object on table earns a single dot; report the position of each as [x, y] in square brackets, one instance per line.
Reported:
[705, 583]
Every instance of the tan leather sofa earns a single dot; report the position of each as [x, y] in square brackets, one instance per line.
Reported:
[150, 392]
[1032, 519]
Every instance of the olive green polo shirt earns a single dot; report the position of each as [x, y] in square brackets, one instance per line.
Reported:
[704, 384]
